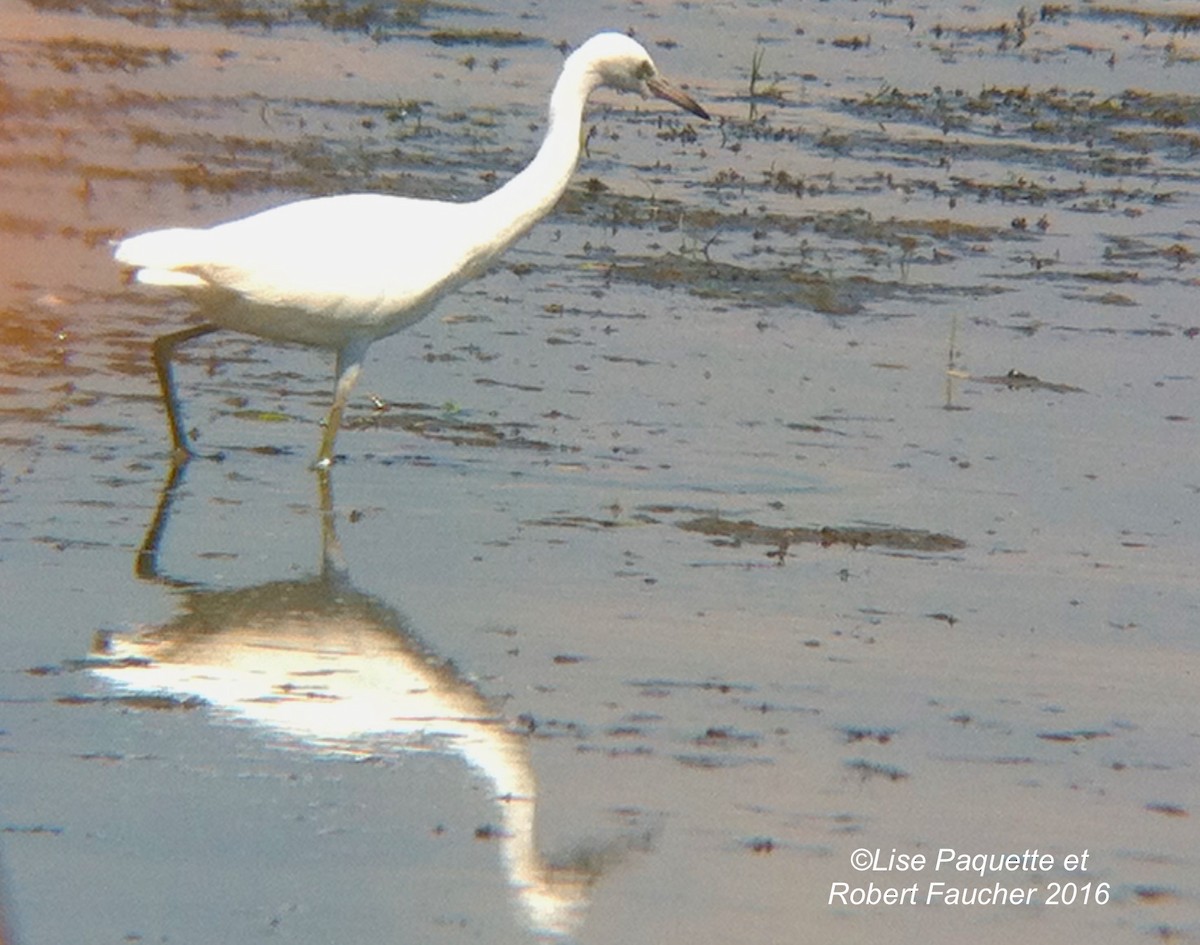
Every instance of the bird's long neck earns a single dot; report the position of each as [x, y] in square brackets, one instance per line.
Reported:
[534, 191]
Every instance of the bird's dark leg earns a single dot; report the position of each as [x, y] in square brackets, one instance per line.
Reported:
[164, 348]
[349, 366]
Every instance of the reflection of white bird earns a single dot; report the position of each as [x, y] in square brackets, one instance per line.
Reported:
[330, 671]
[341, 272]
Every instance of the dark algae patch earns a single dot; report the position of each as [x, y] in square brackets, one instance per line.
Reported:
[450, 429]
[75, 54]
[856, 536]
[735, 532]
[484, 37]
[1015, 380]
[367, 16]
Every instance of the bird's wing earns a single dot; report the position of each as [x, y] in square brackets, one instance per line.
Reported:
[330, 253]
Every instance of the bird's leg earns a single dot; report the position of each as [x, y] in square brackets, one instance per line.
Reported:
[164, 349]
[349, 366]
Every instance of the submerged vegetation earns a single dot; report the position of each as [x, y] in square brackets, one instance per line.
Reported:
[1135, 118]
[368, 16]
[74, 54]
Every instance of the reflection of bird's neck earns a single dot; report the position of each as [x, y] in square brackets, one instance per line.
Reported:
[534, 191]
[553, 898]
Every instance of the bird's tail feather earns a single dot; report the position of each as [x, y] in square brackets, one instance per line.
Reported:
[176, 248]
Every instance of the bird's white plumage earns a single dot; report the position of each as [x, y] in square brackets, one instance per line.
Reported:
[341, 272]
[319, 271]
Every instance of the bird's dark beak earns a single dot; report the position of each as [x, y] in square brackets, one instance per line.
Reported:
[663, 89]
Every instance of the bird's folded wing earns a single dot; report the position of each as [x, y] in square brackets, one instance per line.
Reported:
[350, 252]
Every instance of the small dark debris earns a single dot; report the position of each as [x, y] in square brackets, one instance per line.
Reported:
[707, 684]
[1154, 893]
[880, 736]
[871, 769]
[713, 761]
[1080, 736]
[720, 737]
[34, 830]
[1169, 810]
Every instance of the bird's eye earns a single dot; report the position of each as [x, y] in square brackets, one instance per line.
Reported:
[644, 71]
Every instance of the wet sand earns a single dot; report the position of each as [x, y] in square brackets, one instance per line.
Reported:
[815, 480]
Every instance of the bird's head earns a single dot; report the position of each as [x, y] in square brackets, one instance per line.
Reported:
[622, 63]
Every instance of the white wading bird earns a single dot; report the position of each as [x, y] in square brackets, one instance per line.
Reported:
[342, 272]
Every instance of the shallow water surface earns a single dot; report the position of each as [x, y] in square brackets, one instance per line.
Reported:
[816, 480]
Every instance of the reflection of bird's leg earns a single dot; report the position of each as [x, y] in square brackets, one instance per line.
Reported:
[164, 348]
[332, 560]
[146, 563]
[349, 366]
